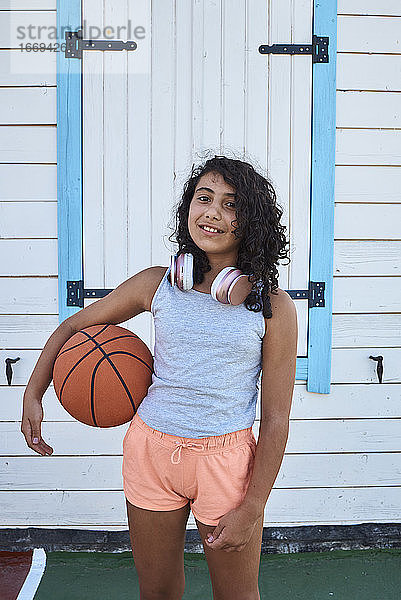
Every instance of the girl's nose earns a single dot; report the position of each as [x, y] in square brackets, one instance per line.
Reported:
[213, 213]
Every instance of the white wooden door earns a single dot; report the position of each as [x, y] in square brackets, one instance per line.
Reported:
[196, 86]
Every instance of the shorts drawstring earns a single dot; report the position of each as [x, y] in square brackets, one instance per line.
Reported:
[180, 445]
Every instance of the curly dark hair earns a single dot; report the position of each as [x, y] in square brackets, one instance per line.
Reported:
[257, 218]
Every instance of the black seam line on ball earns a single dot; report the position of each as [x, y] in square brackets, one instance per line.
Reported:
[80, 343]
[99, 346]
[93, 340]
[96, 345]
[106, 357]
[103, 357]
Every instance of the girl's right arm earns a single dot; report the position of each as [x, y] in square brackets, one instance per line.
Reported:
[129, 299]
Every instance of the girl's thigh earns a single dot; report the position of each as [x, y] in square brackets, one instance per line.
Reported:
[158, 540]
[234, 575]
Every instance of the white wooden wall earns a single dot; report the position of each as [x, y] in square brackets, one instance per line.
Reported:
[342, 463]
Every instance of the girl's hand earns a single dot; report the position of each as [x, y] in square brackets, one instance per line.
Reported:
[32, 416]
[233, 531]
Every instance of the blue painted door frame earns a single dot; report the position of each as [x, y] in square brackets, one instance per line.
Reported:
[322, 199]
[69, 159]
[316, 367]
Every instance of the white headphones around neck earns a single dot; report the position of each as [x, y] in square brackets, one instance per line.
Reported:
[230, 286]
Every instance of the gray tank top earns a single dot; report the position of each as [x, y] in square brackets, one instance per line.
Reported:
[207, 363]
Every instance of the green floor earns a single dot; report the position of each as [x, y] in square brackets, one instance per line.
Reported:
[345, 575]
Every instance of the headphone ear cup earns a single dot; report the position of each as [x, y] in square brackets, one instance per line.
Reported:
[188, 280]
[181, 271]
[220, 285]
[231, 286]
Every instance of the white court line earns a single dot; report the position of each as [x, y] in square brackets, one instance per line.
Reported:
[34, 576]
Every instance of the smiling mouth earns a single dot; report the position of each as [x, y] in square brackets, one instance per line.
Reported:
[215, 232]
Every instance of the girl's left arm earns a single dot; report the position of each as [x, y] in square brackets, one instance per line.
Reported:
[279, 350]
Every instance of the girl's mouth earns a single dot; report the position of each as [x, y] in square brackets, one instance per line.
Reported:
[209, 233]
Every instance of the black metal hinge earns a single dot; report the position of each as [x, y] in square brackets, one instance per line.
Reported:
[74, 44]
[76, 293]
[315, 294]
[319, 49]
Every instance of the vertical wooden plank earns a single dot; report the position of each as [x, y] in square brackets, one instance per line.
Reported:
[256, 98]
[93, 150]
[278, 133]
[208, 60]
[69, 160]
[183, 95]
[300, 163]
[197, 76]
[139, 242]
[233, 76]
[115, 153]
[163, 123]
[322, 201]
[285, 136]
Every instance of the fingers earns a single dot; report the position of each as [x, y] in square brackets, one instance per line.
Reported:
[34, 440]
[38, 443]
[41, 447]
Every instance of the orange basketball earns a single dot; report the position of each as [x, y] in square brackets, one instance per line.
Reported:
[102, 374]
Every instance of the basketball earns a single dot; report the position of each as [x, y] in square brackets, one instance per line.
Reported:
[101, 375]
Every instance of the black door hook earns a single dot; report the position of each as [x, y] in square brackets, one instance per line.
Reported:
[379, 368]
[9, 369]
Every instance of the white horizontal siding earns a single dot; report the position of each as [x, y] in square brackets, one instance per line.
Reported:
[69, 473]
[39, 220]
[367, 221]
[372, 34]
[368, 109]
[28, 68]
[355, 183]
[28, 182]
[27, 5]
[106, 509]
[369, 7]
[28, 144]
[367, 262]
[349, 439]
[42, 102]
[344, 402]
[306, 436]
[368, 147]
[22, 257]
[11, 36]
[365, 72]
[32, 331]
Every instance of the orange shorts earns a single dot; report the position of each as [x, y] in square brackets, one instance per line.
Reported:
[164, 472]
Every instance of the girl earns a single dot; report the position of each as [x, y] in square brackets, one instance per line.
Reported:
[190, 444]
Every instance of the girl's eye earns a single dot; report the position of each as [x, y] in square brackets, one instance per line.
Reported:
[207, 198]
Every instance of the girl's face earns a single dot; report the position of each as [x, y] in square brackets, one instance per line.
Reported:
[213, 204]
